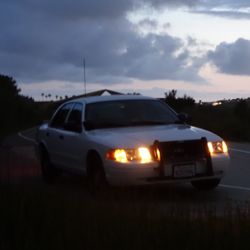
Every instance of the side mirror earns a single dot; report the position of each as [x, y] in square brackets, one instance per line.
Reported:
[73, 126]
[41, 122]
[183, 117]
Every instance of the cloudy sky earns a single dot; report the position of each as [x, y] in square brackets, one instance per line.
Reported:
[199, 47]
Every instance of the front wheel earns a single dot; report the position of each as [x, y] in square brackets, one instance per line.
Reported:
[206, 184]
[96, 174]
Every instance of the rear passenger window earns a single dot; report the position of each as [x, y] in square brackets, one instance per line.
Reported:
[61, 115]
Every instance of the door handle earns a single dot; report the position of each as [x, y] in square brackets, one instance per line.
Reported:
[61, 137]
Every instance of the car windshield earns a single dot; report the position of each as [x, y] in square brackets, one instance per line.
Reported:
[125, 113]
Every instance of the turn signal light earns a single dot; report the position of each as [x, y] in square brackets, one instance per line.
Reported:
[217, 147]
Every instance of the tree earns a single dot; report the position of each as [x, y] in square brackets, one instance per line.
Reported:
[8, 88]
[133, 93]
[180, 103]
[241, 109]
[171, 95]
[17, 112]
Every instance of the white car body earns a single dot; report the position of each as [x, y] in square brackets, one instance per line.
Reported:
[69, 149]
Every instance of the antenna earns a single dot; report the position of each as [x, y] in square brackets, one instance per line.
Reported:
[84, 74]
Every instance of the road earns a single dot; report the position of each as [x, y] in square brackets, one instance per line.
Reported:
[236, 184]
[18, 162]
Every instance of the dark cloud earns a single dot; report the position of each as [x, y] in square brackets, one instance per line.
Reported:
[112, 50]
[172, 3]
[209, 4]
[225, 13]
[148, 23]
[232, 58]
[72, 9]
[47, 40]
[224, 8]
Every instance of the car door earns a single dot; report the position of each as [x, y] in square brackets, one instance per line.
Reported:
[56, 133]
[73, 144]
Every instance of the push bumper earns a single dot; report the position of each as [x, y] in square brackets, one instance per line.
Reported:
[119, 174]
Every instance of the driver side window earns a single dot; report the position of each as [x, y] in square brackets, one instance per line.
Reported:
[61, 115]
[76, 114]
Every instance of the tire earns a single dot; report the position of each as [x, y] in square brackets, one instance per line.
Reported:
[206, 184]
[49, 173]
[96, 174]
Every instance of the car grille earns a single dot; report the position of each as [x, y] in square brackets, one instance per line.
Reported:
[186, 152]
[183, 151]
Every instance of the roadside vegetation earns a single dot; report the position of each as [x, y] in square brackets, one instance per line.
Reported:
[18, 112]
[229, 119]
[43, 217]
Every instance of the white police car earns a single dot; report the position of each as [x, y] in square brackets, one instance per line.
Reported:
[129, 140]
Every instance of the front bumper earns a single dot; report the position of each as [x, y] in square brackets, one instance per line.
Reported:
[119, 174]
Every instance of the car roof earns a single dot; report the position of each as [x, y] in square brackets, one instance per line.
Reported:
[94, 99]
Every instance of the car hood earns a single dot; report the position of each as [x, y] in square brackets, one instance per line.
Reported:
[146, 135]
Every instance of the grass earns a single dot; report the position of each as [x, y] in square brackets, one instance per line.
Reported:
[37, 216]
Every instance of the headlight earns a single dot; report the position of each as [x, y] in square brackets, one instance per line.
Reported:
[141, 154]
[217, 147]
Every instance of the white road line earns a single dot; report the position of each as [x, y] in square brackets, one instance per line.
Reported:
[239, 150]
[26, 138]
[29, 129]
[235, 187]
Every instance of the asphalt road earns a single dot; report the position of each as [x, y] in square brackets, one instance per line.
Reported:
[18, 162]
[236, 184]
